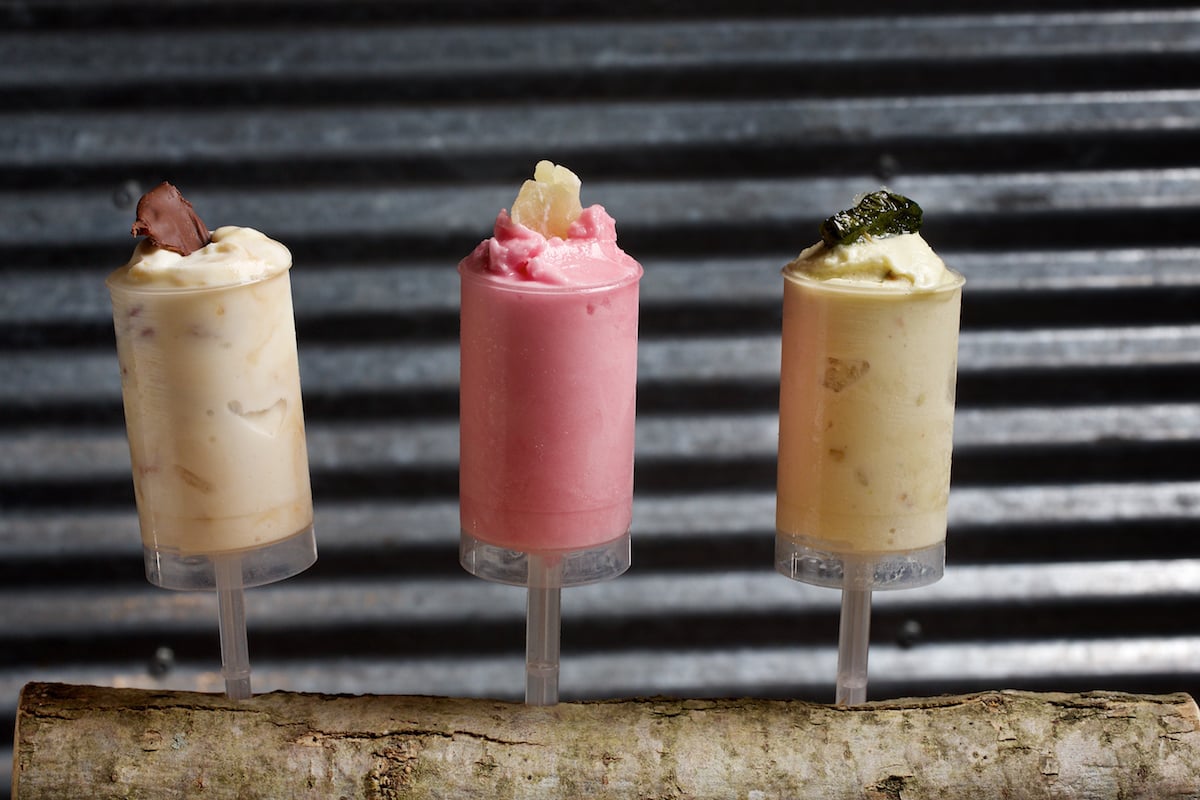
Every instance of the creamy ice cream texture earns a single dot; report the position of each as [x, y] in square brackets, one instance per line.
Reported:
[867, 395]
[549, 363]
[876, 243]
[211, 387]
[901, 262]
[234, 255]
[549, 238]
[180, 252]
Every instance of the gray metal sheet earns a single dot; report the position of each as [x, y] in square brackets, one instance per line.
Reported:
[454, 212]
[601, 48]
[114, 139]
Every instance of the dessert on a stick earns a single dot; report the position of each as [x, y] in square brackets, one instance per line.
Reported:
[548, 343]
[866, 414]
[210, 380]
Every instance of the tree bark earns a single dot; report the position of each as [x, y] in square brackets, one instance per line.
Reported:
[78, 741]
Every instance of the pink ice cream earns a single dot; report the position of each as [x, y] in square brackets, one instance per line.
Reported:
[588, 258]
[548, 381]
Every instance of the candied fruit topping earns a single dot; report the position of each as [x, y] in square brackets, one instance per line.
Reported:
[549, 203]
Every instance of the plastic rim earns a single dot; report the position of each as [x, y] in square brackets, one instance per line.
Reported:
[260, 565]
[803, 562]
[586, 565]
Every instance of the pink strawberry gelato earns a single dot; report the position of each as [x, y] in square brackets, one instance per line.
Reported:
[548, 383]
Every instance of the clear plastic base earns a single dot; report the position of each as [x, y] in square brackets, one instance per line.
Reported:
[260, 565]
[571, 567]
[865, 571]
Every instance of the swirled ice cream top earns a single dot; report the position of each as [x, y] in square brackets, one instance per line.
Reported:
[875, 244]
[549, 240]
[903, 262]
[179, 252]
[234, 255]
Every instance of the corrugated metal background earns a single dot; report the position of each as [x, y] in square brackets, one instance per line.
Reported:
[1054, 152]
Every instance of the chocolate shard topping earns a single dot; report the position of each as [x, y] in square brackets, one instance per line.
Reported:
[168, 221]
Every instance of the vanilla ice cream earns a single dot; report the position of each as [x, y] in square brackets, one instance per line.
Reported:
[207, 349]
[233, 256]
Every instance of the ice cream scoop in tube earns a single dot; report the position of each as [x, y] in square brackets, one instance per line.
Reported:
[866, 415]
[549, 327]
[210, 380]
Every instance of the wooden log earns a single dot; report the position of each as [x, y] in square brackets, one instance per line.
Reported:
[78, 741]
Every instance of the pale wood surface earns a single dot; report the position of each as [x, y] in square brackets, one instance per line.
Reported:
[79, 741]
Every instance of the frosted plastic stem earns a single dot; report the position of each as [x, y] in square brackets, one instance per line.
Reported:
[543, 617]
[235, 653]
[854, 635]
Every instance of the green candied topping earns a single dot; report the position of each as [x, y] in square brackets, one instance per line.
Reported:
[879, 213]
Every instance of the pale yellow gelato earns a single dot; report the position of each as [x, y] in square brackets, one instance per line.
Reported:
[870, 335]
[235, 255]
[903, 261]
